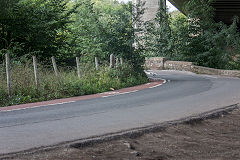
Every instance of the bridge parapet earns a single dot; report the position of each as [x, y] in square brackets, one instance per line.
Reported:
[161, 63]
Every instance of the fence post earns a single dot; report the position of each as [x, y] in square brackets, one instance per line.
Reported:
[96, 63]
[54, 66]
[117, 61]
[78, 68]
[8, 74]
[36, 72]
[121, 61]
[112, 61]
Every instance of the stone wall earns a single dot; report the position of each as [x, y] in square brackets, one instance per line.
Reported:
[160, 63]
[212, 71]
[178, 65]
[155, 63]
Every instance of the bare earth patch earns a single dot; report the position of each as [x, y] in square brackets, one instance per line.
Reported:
[213, 139]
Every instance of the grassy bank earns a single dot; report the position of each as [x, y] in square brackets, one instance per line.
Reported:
[67, 84]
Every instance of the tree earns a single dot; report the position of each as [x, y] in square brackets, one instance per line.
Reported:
[159, 40]
[208, 41]
[35, 26]
[179, 28]
[196, 38]
[102, 28]
[84, 34]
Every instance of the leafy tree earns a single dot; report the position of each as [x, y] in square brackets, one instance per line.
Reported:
[197, 38]
[35, 26]
[179, 29]
[84, 34]
[102, 28]
[122, 36]
[159, 39]
[66, 29]
[208, 41]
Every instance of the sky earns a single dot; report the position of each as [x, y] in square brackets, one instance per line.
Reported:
[170, 6]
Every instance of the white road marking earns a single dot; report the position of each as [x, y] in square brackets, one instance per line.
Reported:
[156, 86]
[108, 96]
[128, 92]
[118, 93]
[210, 76]
[109, 92]
[111, 95]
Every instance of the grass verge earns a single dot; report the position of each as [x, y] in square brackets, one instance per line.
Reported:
[67, 84]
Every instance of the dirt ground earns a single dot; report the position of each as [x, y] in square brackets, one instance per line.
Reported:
[213, 139]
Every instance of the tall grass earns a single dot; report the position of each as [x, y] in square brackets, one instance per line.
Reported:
[66, 84]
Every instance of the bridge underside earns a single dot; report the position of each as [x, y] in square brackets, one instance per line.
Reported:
[224, 9]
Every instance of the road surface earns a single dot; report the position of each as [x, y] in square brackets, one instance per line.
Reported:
[183, 95]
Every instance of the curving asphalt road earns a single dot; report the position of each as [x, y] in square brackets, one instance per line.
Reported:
[183, 95]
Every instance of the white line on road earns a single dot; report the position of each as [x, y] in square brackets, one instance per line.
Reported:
[111, 95]
[120, 94]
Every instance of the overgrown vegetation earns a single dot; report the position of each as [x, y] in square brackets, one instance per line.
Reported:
[68, 29]
[67, 84]
[196, 38]
[33, 27]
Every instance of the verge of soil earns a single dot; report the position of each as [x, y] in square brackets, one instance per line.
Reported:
[214, 135]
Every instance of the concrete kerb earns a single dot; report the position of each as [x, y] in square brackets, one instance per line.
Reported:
[133, 133]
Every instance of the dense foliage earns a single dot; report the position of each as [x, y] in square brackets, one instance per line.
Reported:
[103, 28]
[30, 27]
[158, 37]
[66, 84]
[68, 29]
[197, 38]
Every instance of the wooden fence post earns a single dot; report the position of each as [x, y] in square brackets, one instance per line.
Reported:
[112, 61]
[78, 68]
[121, 61]
[117, 61]
[36, 72]
[54, 66]
[8, 74]
[96, 63]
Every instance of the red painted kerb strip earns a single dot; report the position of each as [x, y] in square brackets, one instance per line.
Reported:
[79, 98]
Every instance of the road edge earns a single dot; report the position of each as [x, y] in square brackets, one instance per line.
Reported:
[153, 82]
[132, 133]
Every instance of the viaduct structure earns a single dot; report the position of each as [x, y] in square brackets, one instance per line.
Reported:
[151, 8]
[224, 9]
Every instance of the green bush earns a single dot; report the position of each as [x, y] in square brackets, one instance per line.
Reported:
[197, 37]
[66, 84]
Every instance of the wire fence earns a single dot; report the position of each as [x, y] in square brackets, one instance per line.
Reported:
[5, 70]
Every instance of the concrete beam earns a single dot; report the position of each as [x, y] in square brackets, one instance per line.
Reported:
[152, 7]
[225, 9]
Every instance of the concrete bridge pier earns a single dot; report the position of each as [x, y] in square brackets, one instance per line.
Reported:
[151, 8]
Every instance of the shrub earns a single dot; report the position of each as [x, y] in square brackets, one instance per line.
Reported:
[196, 38]
[66, 84]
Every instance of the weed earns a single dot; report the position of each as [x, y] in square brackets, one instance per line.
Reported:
[66, 84]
